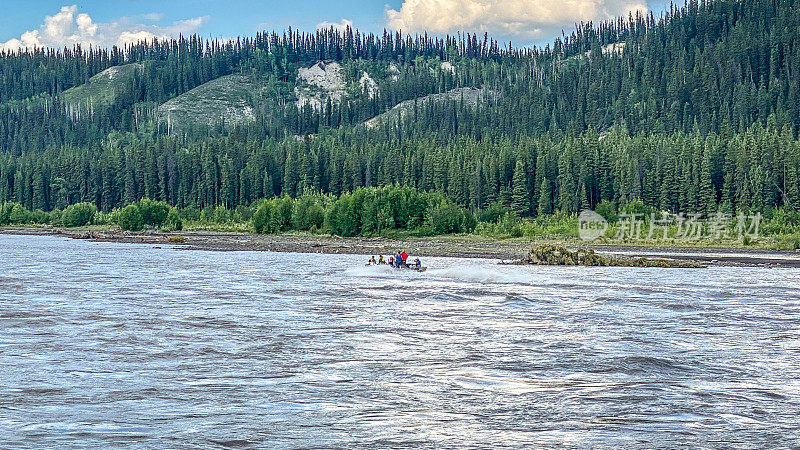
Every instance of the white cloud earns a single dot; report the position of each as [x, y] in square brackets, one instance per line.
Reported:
[155, 17]
[68, 28]
[518, 19]
[341, 26]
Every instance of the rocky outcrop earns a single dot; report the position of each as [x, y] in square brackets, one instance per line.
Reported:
[318, 83]
[368, 86]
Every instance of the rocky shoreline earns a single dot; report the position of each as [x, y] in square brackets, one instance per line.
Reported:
[459, 246]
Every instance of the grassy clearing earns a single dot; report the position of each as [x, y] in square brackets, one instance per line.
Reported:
[103, 88]
[227, 100]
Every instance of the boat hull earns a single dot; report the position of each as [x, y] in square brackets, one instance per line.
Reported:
[414, 268]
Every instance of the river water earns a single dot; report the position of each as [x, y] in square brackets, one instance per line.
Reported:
[107, 344]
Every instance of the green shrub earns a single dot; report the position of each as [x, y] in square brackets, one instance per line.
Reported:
[780, 221]
[607, 209]
[102, 219]
[493, 213]
[558, 224]
[55, 217]
[78, 215]
[173, 221]
[282, 219]
[422, 231]
[242, 214]
[154, 213]
[787, 242]
[637, 207]
[130, 218]
[5, 213]
[445, 218]
[343, 218]
[315, 217]
[262, 217]
[469, 222]
[19, 215]
[546, 225]
[39, 216]
[221, 215]
[273, 216]
[366, 212]
[206, 215]
[307, 213]
[13, 213]
[190, 214]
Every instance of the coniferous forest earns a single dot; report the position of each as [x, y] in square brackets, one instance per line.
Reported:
[694, 111]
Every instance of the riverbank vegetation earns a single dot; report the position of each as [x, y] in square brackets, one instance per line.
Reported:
[400, 211]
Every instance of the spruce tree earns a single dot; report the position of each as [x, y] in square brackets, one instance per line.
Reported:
[545, 199]
[520, 201]
[706, 199]
[567, 187]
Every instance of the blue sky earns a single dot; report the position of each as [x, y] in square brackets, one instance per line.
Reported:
[229, 17]
[111, 22]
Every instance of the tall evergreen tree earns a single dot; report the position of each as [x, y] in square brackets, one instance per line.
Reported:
[520, 201]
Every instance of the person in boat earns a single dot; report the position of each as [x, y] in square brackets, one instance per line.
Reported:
[398, 260]
[417, 263]
[391, 261]
[372, 261]
[381, 260]
[404, 257]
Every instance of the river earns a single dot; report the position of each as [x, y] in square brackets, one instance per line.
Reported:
[105, 344]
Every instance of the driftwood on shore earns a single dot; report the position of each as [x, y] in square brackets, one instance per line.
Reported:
[556, 255]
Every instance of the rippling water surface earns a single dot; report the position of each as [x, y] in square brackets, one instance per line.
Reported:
[111, 344]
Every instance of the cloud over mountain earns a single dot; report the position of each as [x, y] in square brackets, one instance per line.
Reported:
[68, 28]
[526, 20]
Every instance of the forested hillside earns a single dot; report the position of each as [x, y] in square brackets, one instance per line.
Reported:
[693, 111]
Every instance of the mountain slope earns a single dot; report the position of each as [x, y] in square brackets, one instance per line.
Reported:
[104, 88]
[471, 96]
[226, 101]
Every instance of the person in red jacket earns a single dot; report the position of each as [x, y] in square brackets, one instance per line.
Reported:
[404, 256]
